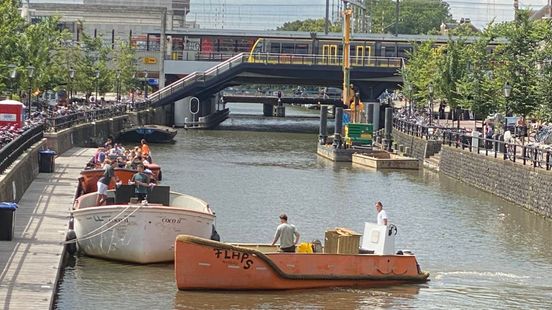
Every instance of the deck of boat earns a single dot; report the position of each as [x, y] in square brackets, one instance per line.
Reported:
[30, 263]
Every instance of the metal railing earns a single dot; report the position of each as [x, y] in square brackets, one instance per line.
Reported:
[10, 152]
[325, 60]
[80, 117]
[197, 77]
[535, 155]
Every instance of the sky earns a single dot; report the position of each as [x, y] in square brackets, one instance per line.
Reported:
[269, 14]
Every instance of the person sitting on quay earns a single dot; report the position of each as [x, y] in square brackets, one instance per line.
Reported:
[288, 235]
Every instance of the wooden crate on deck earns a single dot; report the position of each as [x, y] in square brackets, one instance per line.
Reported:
[341, 241]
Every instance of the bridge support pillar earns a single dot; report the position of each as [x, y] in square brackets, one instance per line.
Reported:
[387, 142]
[323, 125]
[376, 116]
[267, 109]
[279, 110]
[338, 142]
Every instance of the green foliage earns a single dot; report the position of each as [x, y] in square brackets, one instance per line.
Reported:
[420, 71]
[52, 53]
[309, 25]
[415, 16]
[472, 76]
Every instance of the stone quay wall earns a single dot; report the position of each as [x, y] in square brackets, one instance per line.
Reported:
[17, 178]
[522, 185]
[417, 147]
[95, 133]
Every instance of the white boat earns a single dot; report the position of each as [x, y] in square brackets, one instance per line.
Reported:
[139, 232]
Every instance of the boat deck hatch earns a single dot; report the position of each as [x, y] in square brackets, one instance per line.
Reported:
[158, 194]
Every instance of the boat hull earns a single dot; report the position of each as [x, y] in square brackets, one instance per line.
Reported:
[209, 265]
[138, 234]
[152, 134]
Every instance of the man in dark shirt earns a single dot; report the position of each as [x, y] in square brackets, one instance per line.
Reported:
[103, 182]
[141, 183]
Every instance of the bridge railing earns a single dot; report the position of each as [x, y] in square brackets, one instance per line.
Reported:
[326, 60]
[197, 77]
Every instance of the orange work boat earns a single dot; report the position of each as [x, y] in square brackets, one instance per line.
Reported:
[205, 264]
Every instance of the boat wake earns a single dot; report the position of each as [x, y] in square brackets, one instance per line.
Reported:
[479, 274]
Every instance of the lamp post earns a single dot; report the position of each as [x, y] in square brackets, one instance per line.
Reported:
[430, 88]
[71, 77]
[97, 81]
[13, 75]
[507, 92]
[145, 85]
[30, 72]
[409, 99]
[117, 76]
[133, 90]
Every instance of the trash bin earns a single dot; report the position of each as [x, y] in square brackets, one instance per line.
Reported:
[7, 220]
[46, 161]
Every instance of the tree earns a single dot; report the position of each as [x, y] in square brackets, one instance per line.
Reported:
[421, 70]
[415, 16]
[11, 24]
[518, 63]
[309, 25]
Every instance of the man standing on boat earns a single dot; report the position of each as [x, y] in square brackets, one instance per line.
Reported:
[141, 183]
[382, 216]
[286, 233]
[103, 182]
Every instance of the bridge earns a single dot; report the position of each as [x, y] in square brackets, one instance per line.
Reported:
[370, 76]
[274, 100]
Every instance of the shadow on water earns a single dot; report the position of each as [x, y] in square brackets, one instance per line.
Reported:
[336, 298]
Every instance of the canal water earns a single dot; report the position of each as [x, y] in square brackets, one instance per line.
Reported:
[481, 251]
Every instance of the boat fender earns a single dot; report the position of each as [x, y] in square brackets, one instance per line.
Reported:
[72, 246]
[214, 234]
[392, 229]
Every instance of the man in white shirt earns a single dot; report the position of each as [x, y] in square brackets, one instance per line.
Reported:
[382, 216]
[288, 235]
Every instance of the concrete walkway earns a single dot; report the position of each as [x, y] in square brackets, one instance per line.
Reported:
[31, 262]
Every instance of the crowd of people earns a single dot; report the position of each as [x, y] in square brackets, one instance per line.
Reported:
[114, 155]
[61, 114]
[120, 156]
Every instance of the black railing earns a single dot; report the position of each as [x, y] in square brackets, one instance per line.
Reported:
[11, 151]
[85, 116]
[537, 156]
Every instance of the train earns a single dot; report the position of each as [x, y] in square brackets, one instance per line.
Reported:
[218, 45]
